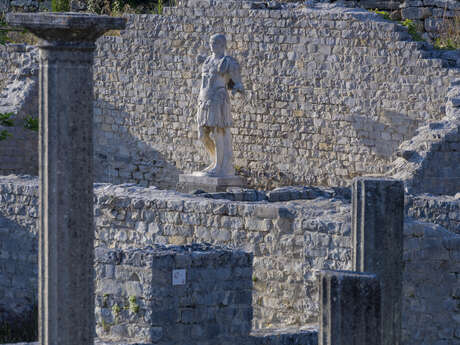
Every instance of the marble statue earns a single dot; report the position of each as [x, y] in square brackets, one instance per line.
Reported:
[220, 73]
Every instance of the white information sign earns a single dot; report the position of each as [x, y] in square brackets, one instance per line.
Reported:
[178, 277]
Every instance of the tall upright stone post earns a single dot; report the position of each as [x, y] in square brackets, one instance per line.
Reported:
[66, 242]
[350, 311]
[378, 221]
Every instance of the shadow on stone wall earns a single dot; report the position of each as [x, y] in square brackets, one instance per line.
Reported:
[128, 158]
[18, 282]
[388, 132]
[428, 162]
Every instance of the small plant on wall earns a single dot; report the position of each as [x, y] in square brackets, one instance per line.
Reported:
[450, 35]
[31, 123]
[5, 121]
[4, 39]
[60, 5]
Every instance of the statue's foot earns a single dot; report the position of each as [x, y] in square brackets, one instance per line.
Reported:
[209, 168]
[209, 171]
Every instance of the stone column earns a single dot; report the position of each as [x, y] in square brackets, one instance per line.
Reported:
[377, 221]
[349, 309]
[66, 241]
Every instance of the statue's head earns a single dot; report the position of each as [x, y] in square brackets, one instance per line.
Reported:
[218, 44]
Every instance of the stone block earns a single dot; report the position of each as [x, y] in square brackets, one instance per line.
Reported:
[174, 294]
[350, 309]
[416, 13]
[189, 182]
[434, 24]
[377, 221]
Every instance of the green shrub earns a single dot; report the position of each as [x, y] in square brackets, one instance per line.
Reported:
[450, 35]
[133, 306]
[412, 29]
[60, 5]
[385, 14]
[4, 39]
[4, 134]
[5, 119]
[31, 123]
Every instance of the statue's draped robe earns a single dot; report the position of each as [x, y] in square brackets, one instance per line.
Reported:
[218, 75]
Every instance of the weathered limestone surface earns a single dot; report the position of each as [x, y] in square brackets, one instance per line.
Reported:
[428, 163]
[442, 210]
[431, 266]
[18, 255]
[138, 299]
[433, 16]
[19, 95]
[377, 232]
[66, 231]
[350, 308]
[289, 336]
[290, 241]
[190, 182]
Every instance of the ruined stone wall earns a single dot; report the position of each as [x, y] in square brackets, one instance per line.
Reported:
[431, 285]
[428, 162]
[12, 56]
[290, 242]
[18, 251]
[435, 17]
[141, 295]
[441, 210]
[19, 96]
[331, 93]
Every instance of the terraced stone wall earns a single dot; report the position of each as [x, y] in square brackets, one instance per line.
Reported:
[442, 210]
[331, 93]
[290, 241]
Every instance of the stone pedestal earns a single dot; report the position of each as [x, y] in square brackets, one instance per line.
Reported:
[349, 309]
[377, 221]
[66, 241]
[190, 182]
[165, 295]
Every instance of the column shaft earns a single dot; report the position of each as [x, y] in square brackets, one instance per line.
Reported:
[377, 221]
[66, 191]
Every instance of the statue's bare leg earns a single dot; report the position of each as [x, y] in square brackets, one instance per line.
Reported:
[227, 168]
[219, 142]
[204, 136]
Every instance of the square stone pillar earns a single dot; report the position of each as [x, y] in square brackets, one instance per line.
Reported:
[377, 233]
[349, 309]
[183, 295]
[66, 241]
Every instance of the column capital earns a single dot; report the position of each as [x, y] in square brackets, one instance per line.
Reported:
[65, 29]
